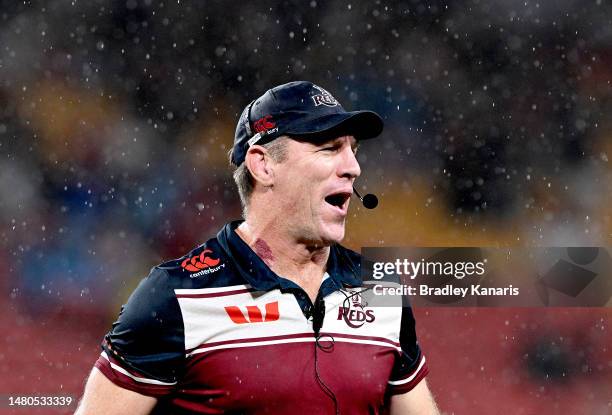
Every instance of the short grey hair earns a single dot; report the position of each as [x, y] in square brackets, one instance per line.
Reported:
[277, 149]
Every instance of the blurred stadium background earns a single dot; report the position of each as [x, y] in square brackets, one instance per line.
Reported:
[116, 117]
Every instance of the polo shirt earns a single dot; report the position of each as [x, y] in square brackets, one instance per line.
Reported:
[217, 331]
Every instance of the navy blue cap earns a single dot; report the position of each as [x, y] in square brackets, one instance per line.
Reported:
[301, 110]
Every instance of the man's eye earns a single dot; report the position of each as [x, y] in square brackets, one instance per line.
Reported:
[329, 148]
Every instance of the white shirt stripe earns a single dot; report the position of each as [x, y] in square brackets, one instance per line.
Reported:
[211, 290]
[136, 378]
[409, 378]
[297, 340]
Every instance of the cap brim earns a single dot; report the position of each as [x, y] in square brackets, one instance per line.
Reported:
[360, 124]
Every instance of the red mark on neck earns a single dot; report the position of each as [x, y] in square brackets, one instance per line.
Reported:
[262, 249]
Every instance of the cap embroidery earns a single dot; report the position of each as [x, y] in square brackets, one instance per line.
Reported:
[324, 98]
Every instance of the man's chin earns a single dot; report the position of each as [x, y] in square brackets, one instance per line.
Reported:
[333, 233]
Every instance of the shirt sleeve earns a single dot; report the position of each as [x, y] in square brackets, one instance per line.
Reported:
[410, 366]
[144, 350]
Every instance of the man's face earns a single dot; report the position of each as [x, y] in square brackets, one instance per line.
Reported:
[314, 185]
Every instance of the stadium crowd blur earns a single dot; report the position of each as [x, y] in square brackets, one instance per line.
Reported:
[116, 118]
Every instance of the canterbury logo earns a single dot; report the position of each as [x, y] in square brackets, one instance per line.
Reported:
[253, 314]
[264, 124]
[199, 262]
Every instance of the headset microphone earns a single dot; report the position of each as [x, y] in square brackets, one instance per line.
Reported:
[369, 201]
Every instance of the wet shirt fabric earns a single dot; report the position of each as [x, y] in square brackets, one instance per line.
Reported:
[218, 332]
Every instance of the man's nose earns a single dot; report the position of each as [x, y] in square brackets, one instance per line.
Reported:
[349, 167]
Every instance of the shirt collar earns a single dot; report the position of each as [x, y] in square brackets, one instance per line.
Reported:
[343, 265]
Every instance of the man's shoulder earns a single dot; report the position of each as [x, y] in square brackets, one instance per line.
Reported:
[207, 265]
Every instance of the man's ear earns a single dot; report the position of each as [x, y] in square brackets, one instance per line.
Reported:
[259, 163]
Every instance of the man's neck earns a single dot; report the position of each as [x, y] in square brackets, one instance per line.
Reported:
[300, 262]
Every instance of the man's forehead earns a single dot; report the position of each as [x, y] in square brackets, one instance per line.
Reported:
[351, 139]
[331, 140]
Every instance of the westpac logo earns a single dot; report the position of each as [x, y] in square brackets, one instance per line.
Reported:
[356, 315]
[253, 313]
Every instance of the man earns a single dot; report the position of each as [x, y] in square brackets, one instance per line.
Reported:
[266, 317]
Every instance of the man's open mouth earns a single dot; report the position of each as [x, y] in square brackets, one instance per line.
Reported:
[339, 200]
